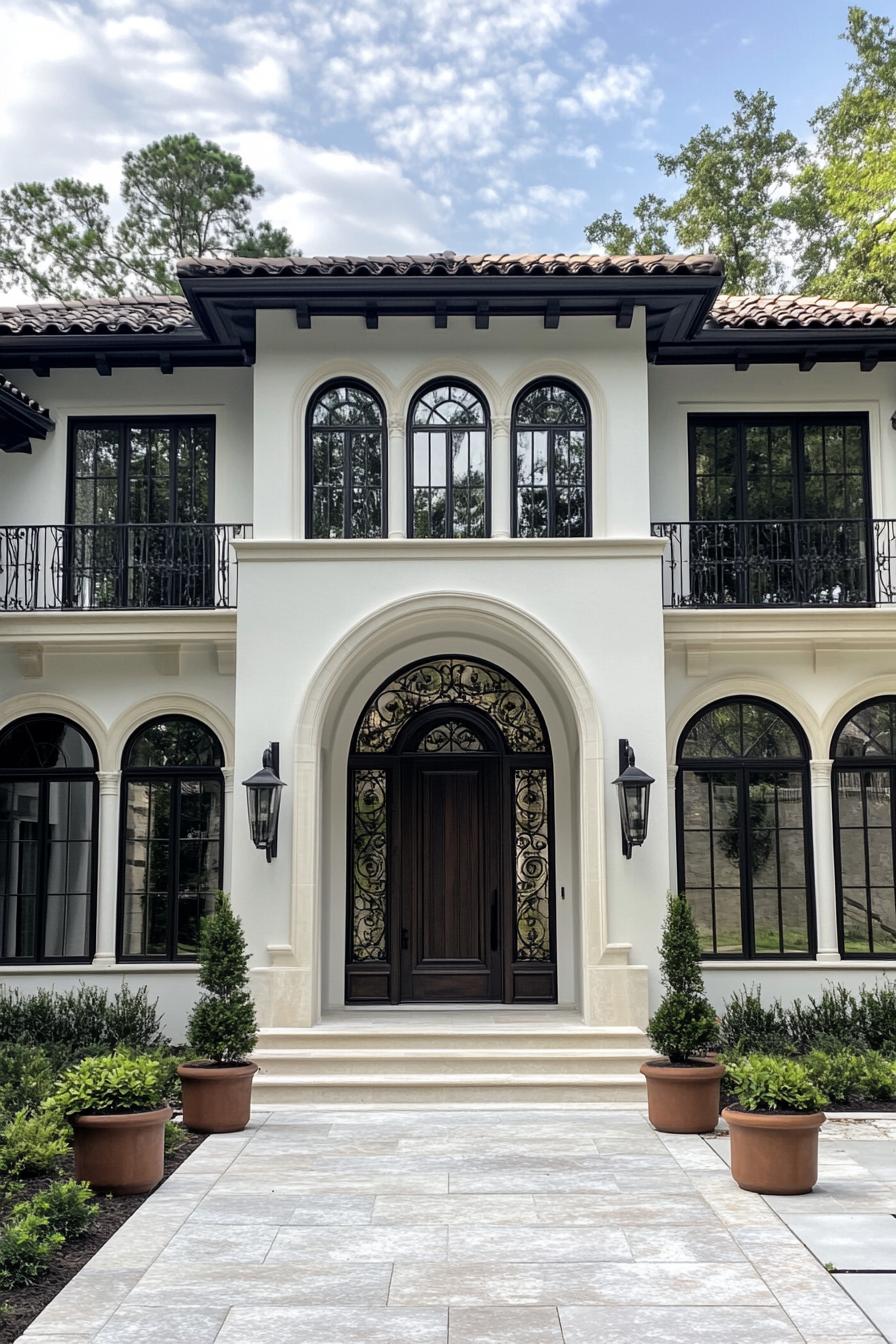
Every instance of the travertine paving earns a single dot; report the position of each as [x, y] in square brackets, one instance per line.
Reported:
[550, 1225]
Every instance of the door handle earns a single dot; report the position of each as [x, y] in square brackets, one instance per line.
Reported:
[494, 921]
[405, 940]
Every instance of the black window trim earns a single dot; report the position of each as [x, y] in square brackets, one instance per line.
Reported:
[840, 765]
[447, 380]
[175, 773]
[578, 393]
[43, 776]
[349, 475]
[740, 766]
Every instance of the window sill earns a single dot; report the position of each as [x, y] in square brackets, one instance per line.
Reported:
[88, 968]
[802, 965]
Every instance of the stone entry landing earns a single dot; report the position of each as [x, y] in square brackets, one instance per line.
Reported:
[550, 1225]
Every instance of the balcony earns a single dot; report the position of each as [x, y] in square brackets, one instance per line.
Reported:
[761, 563]
[119, 566]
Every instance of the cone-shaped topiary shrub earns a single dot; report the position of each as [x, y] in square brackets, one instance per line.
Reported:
[684, 1025]
[222, 1025]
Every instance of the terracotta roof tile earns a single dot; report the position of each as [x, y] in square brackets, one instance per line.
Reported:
[783, 311]
[450, 263]
[153, 314]
[11, 390]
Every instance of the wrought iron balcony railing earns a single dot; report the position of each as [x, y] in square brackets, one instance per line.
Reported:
[801, 562]
[118, 566]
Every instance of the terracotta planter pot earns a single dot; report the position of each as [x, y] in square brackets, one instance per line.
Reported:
[774, 1154]
[216, 1097]
[683, 1098]
[121, 1154]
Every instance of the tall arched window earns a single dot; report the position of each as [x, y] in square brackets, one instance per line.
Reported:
[345, 463]
[552, 462]
[448, 463]
[48, 825]
[744, 837]
[172, 838]
[864, 783]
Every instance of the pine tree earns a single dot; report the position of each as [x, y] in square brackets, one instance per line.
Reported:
[684, 1024]
[222, 1025]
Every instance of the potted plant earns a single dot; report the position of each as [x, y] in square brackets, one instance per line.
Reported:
[683, 1088]
[116, 1107]
[774, 1123]
[217, 1086]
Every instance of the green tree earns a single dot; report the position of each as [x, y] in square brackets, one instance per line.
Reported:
[648, 235]
[222, 1026]
[684, 1024]
[183, 197]
[844, 201]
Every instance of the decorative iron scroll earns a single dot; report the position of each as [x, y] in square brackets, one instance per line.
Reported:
[369, 883]
[531, 873]
[451, 681]
[450, 737]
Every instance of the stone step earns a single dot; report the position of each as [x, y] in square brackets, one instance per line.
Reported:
[408, 1062]
[451, 1089]
[486, 1036]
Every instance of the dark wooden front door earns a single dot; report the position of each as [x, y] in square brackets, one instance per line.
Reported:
[451, 879]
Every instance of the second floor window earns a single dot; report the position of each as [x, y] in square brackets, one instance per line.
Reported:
[551, 463]
[448, 463]
[346, 463]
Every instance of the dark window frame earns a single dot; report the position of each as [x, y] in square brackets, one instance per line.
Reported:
[741, 767]
[551, 486]
[174, 775]
[859, 765]
[43, 777]
[348, 485]
[448, 381]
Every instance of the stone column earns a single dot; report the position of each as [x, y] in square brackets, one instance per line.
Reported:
[107, 867]
[823, 849]
[397, 475]
[501, 476]
[229, 820]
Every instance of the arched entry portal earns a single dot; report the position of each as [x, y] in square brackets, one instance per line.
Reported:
[450, 840]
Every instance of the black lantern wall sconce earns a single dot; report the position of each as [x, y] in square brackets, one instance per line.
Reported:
[633, 791]
[263, 791]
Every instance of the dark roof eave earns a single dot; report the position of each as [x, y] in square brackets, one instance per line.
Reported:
[35, 422]
[780, 345]
[143, 349]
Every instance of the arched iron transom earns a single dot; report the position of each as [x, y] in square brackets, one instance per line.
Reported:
[450, 864]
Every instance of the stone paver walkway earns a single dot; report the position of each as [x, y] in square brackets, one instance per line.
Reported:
[554, 1225]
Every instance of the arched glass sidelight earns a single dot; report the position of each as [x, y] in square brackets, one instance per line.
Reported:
[346, 463]
[448, 463]
[172, 839]
[864, 785]
[744, 835]
[48, 826]
[552, 462]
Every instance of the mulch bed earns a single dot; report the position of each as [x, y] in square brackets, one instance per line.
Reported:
[866, 1109]
[20, 1307]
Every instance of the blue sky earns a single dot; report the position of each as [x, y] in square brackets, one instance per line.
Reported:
[479, 125]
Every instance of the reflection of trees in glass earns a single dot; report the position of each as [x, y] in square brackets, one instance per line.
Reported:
[759, 820]
[448, 463]
[550, 456]
[346, 452]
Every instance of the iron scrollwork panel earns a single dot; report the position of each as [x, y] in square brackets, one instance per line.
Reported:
[532, 870]
[369, 864]
[451, 681]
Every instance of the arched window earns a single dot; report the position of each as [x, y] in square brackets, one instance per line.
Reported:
[346, 463]
[744, 837]
[48, 825]
[552, 462]
[864, 783]
[172, 838]
[448, 463]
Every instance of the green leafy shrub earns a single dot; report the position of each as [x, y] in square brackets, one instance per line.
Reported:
[222, 1025]
[38, 1226]
[828, 1022]
[109, 1085]
[31, 1144]
[27, 1075]
[684, 1024]
[877, 1006]
[175, 1137]
[82, 1019]
[748, 1025]
[846, 1076]
[768, 1083]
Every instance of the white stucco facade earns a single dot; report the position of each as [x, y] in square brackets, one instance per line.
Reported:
[320, 624]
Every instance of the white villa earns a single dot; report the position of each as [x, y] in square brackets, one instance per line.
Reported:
[448, 530]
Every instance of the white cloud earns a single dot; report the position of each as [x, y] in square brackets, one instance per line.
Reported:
[614, 89]
[267, 78]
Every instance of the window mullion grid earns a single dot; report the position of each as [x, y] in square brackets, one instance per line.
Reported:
[41, 875]
[174, 867]
[746, 863]
[552, 483]
[712, 862]
[449, 485]
[778, 863]
[347, 481]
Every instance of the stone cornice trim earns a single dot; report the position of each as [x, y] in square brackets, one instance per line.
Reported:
[409, 549]
[865, 627]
